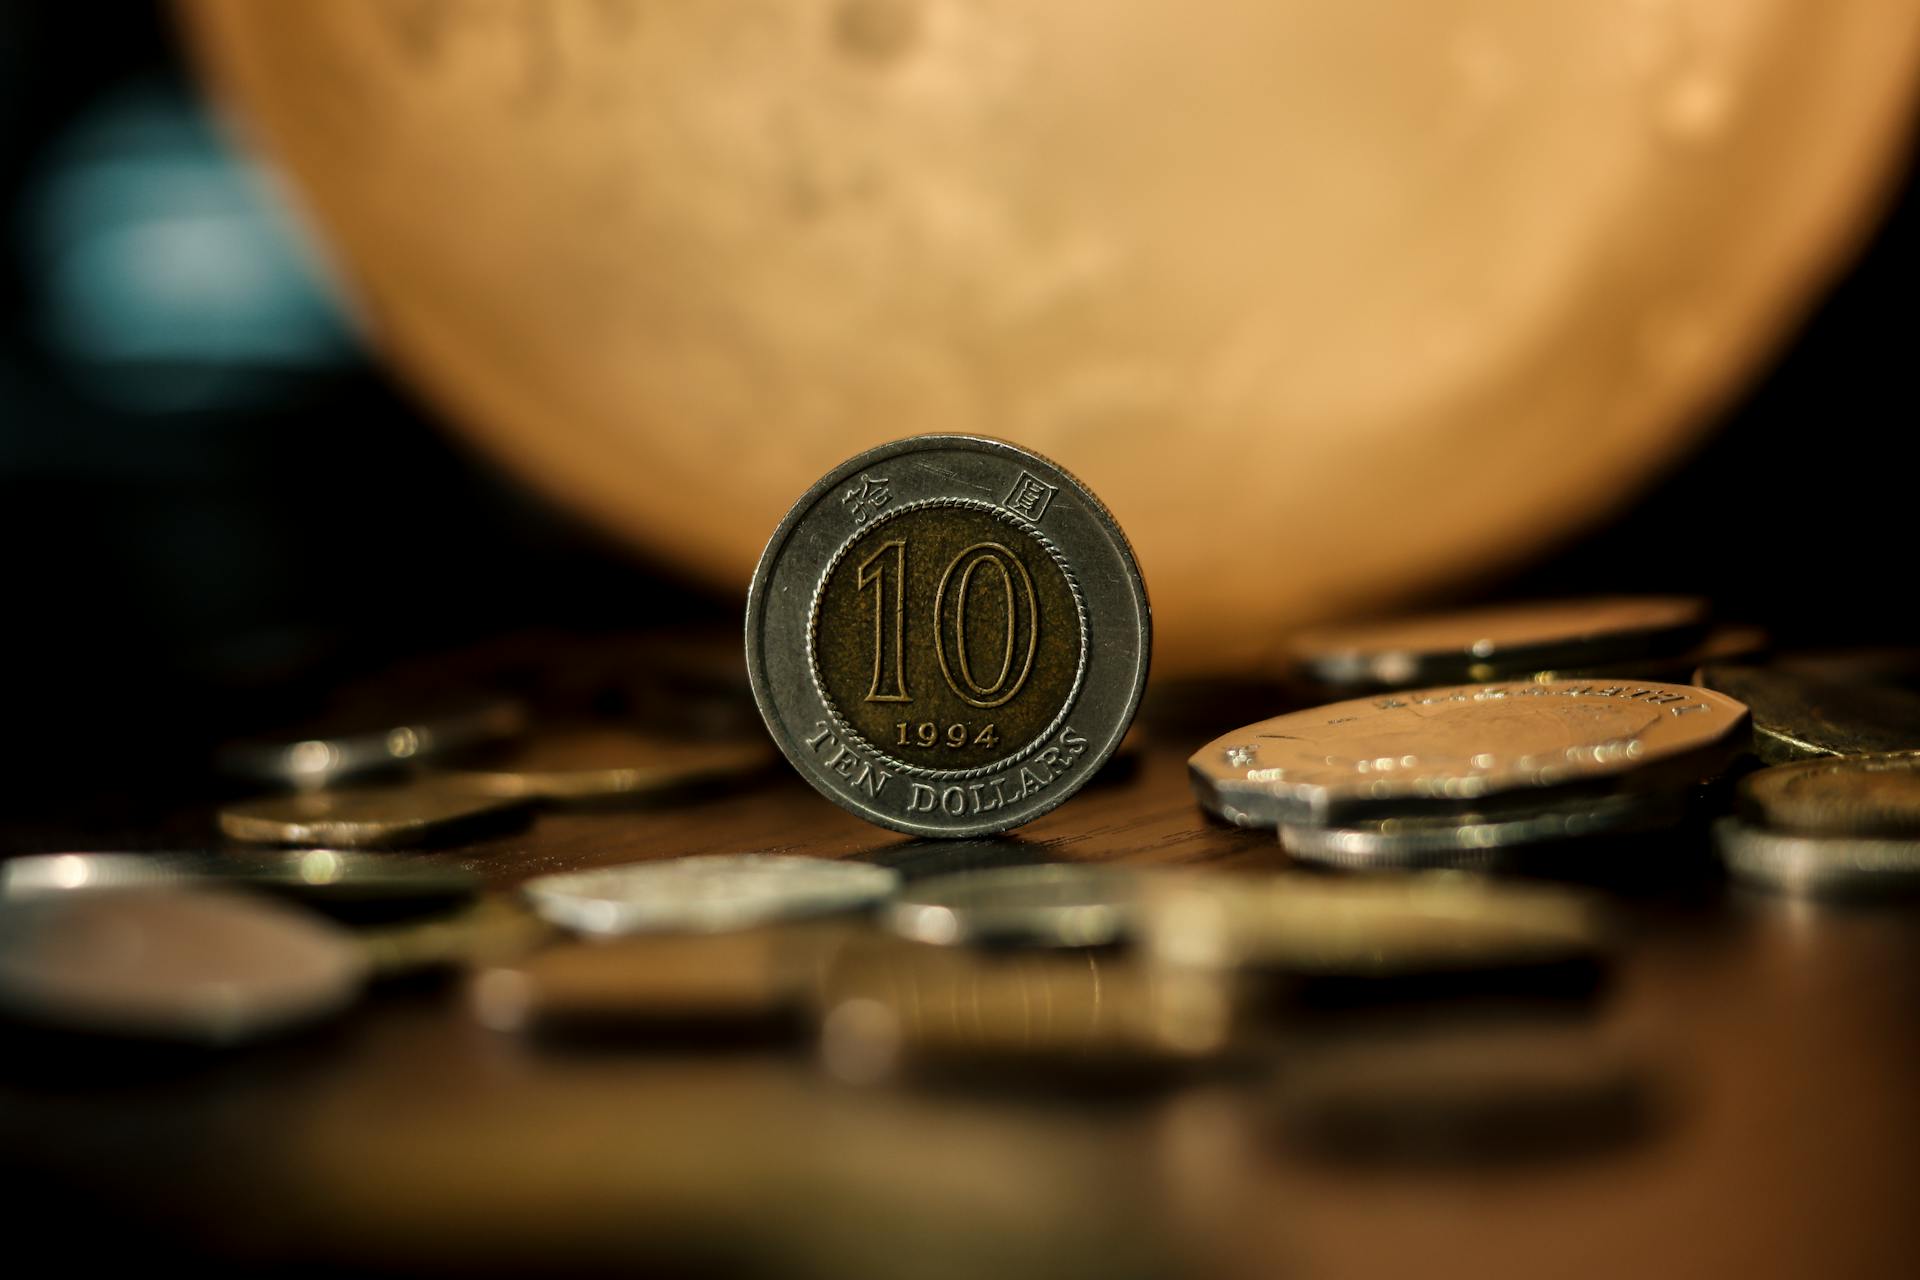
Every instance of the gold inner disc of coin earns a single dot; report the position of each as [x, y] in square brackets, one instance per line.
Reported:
[947, 636]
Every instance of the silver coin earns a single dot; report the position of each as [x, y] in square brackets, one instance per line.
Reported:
[1463, 749]
[706, 894]
[1052, 905]
[948, 636]
[320, 876]
[1456, 841]
[328, 756]
[1818, 866]
[195, 965]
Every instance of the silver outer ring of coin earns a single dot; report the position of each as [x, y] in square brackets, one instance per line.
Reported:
[975, 471]
[1051, 905]
[1467, 841]
[710, 893]
[1836, 866]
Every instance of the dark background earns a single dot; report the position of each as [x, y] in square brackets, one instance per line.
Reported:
[196, 542]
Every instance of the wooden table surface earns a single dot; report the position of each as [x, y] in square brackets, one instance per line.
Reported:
[1783, 1040]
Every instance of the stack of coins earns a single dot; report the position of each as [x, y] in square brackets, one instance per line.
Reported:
[1837, 827]
[1456, 776]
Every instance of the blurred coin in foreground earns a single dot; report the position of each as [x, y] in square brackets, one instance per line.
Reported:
[1473, 841]
[1048, 905]
[1860, 867]
[493, 930]
[1378, 927]
[347, 745]
[707, 893]
[1866, 795]
[948, 635]
[1496, 642]
[601, 762]
[1464, 748]
[1799, 714]
[324, 878]
[1464, 1094]
[417, 813]
[196, 965]
[891, 1008]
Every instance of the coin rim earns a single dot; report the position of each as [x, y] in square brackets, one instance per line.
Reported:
[1099, 597]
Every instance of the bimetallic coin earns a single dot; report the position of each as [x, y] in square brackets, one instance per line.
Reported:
[1496, 642]
[1460, 748]
[706, 894]
[948, 636]
[319, 877]
[197, 965]
[1468, 841]
[1799, 715]
[1868, 795]
[354, 817]
[1050, 905]
[1338, 927]
[1818, 866]
[595, 763]
[327, 756]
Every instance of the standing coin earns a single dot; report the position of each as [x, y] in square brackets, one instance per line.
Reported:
[197, 965]
[1497, 641]
[948, 635]
[1464, 748]
[706, 894]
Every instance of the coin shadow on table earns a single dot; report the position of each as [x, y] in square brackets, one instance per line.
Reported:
[922, 859]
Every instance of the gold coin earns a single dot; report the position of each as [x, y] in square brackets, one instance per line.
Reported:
[496, 930]
[361, 816]
[606, 762]
[1799, 714]
[1319, 925]
[1868, 795]
[1469, 744]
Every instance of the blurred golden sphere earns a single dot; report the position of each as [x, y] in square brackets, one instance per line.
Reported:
[1332, 302]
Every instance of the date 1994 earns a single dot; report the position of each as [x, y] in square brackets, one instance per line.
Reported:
[926, 733]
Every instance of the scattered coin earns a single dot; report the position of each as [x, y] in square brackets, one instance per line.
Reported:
[1730, 643]
[1376, 927]
[1048, 905]
[1465, 840]
[1866, 795]
[1818, 866]
[893, 1008]
[366, 816]
[1800, 714]
[948, 636]
[1496, 642]
[198, 965]
[319, 877]
[350, 746]
[1461, 748]
[706, 894]
[751, 977]
[601, 762]
[494, 930]
[1464, 1094]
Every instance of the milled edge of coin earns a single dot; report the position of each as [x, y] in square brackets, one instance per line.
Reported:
[1468, 839]
[1358, 668]
[767, 696]
[937, 910]
[569, 898]
[1817, 866]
